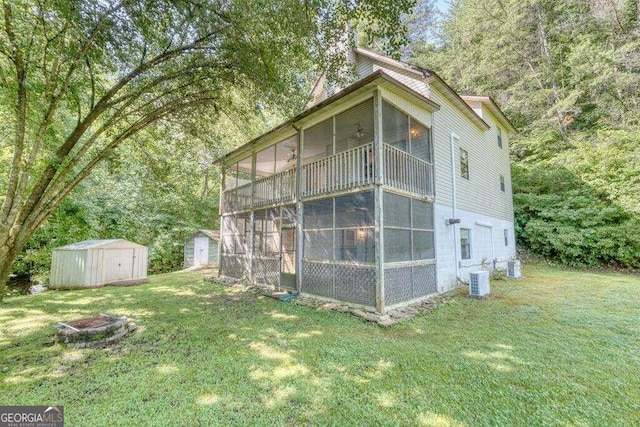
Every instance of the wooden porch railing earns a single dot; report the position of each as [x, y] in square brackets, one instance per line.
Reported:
[237, 199]
[278, 188]
[342, 171]
[407, 173]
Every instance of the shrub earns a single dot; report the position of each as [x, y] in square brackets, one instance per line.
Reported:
[561, 218]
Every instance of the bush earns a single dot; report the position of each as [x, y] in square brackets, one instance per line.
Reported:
[561, 218]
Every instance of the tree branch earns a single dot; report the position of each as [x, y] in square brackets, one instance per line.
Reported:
[71, 141]
[39, 215]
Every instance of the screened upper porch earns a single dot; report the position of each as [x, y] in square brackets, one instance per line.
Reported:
[338, 154]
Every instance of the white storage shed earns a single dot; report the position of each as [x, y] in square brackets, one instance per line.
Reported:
[93, 263]
[201, 249]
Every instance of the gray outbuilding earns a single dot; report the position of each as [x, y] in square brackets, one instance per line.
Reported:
[93, 263]
[201, 249]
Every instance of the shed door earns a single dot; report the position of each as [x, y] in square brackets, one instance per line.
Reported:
[118, 264]
[201, 251]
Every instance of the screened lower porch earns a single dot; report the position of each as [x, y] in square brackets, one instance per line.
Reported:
[341, 257]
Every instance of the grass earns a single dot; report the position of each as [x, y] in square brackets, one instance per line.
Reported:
[557, 347]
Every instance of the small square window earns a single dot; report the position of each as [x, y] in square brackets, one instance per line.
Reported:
[464, 163]
[465, 243]
[502, 182]
[506, 237]
[499, 137]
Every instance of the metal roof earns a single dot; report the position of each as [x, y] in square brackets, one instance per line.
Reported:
[91, 244]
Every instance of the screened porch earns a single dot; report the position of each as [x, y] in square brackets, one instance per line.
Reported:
[338, 155]
[302, 213]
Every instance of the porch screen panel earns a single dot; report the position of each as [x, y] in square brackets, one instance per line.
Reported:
[408, 228]
[420, 141]
[265, 162]
[354, 127]
[339, 248]
[318, 142]
[397, 245]
[234, 261]
[409, 249]
[289, 215]
[395, 127]
[318, 244]
[355, 210]
[423, 245]
[266, 246]
[318, 214]
[318, 272]
[422, 215]
[318, 229]
[397, 211]
[286, 154]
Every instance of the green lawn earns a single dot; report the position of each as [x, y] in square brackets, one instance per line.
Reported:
[557, 347]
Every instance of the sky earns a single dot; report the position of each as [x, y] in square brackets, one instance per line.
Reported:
[442, 5]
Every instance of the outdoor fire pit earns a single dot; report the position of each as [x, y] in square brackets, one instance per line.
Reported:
[93, 331]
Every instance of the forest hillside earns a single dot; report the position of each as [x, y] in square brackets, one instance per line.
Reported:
[567, 74]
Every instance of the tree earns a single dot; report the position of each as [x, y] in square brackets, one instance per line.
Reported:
[566, 73]
[78, 78]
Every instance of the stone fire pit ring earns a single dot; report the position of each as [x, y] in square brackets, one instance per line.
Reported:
[93, 331]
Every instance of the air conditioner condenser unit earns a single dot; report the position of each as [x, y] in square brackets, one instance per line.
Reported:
[479, 283]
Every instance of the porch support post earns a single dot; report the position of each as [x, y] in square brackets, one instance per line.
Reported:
[378, 198]
[299, 212]
[252, 216]
[220, 217]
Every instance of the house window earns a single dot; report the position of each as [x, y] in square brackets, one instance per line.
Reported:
[506, 237]
[464, 163]
[499, 137]
[465, 243]
[502, 182]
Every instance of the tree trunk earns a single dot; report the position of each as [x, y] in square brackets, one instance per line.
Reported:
[8, 254]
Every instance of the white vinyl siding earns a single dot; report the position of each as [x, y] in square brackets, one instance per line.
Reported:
[487, 162]
[367, 66]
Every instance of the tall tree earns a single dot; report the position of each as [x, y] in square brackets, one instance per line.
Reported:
[78, 78]
[566, 73]
[545, 61]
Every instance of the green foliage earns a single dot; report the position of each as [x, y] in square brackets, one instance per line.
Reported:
[498, 274]
[560, 217]
[566, 74]
[67, 225]
[79, 79]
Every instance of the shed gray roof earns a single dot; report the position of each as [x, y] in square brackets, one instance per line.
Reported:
[90, 244]
[215, 235]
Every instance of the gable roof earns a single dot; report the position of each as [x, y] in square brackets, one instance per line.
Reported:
[436, 81]
[374, 79]
[215, 235]
[491, 105]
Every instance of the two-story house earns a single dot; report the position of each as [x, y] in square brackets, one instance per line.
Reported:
[382, 193]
